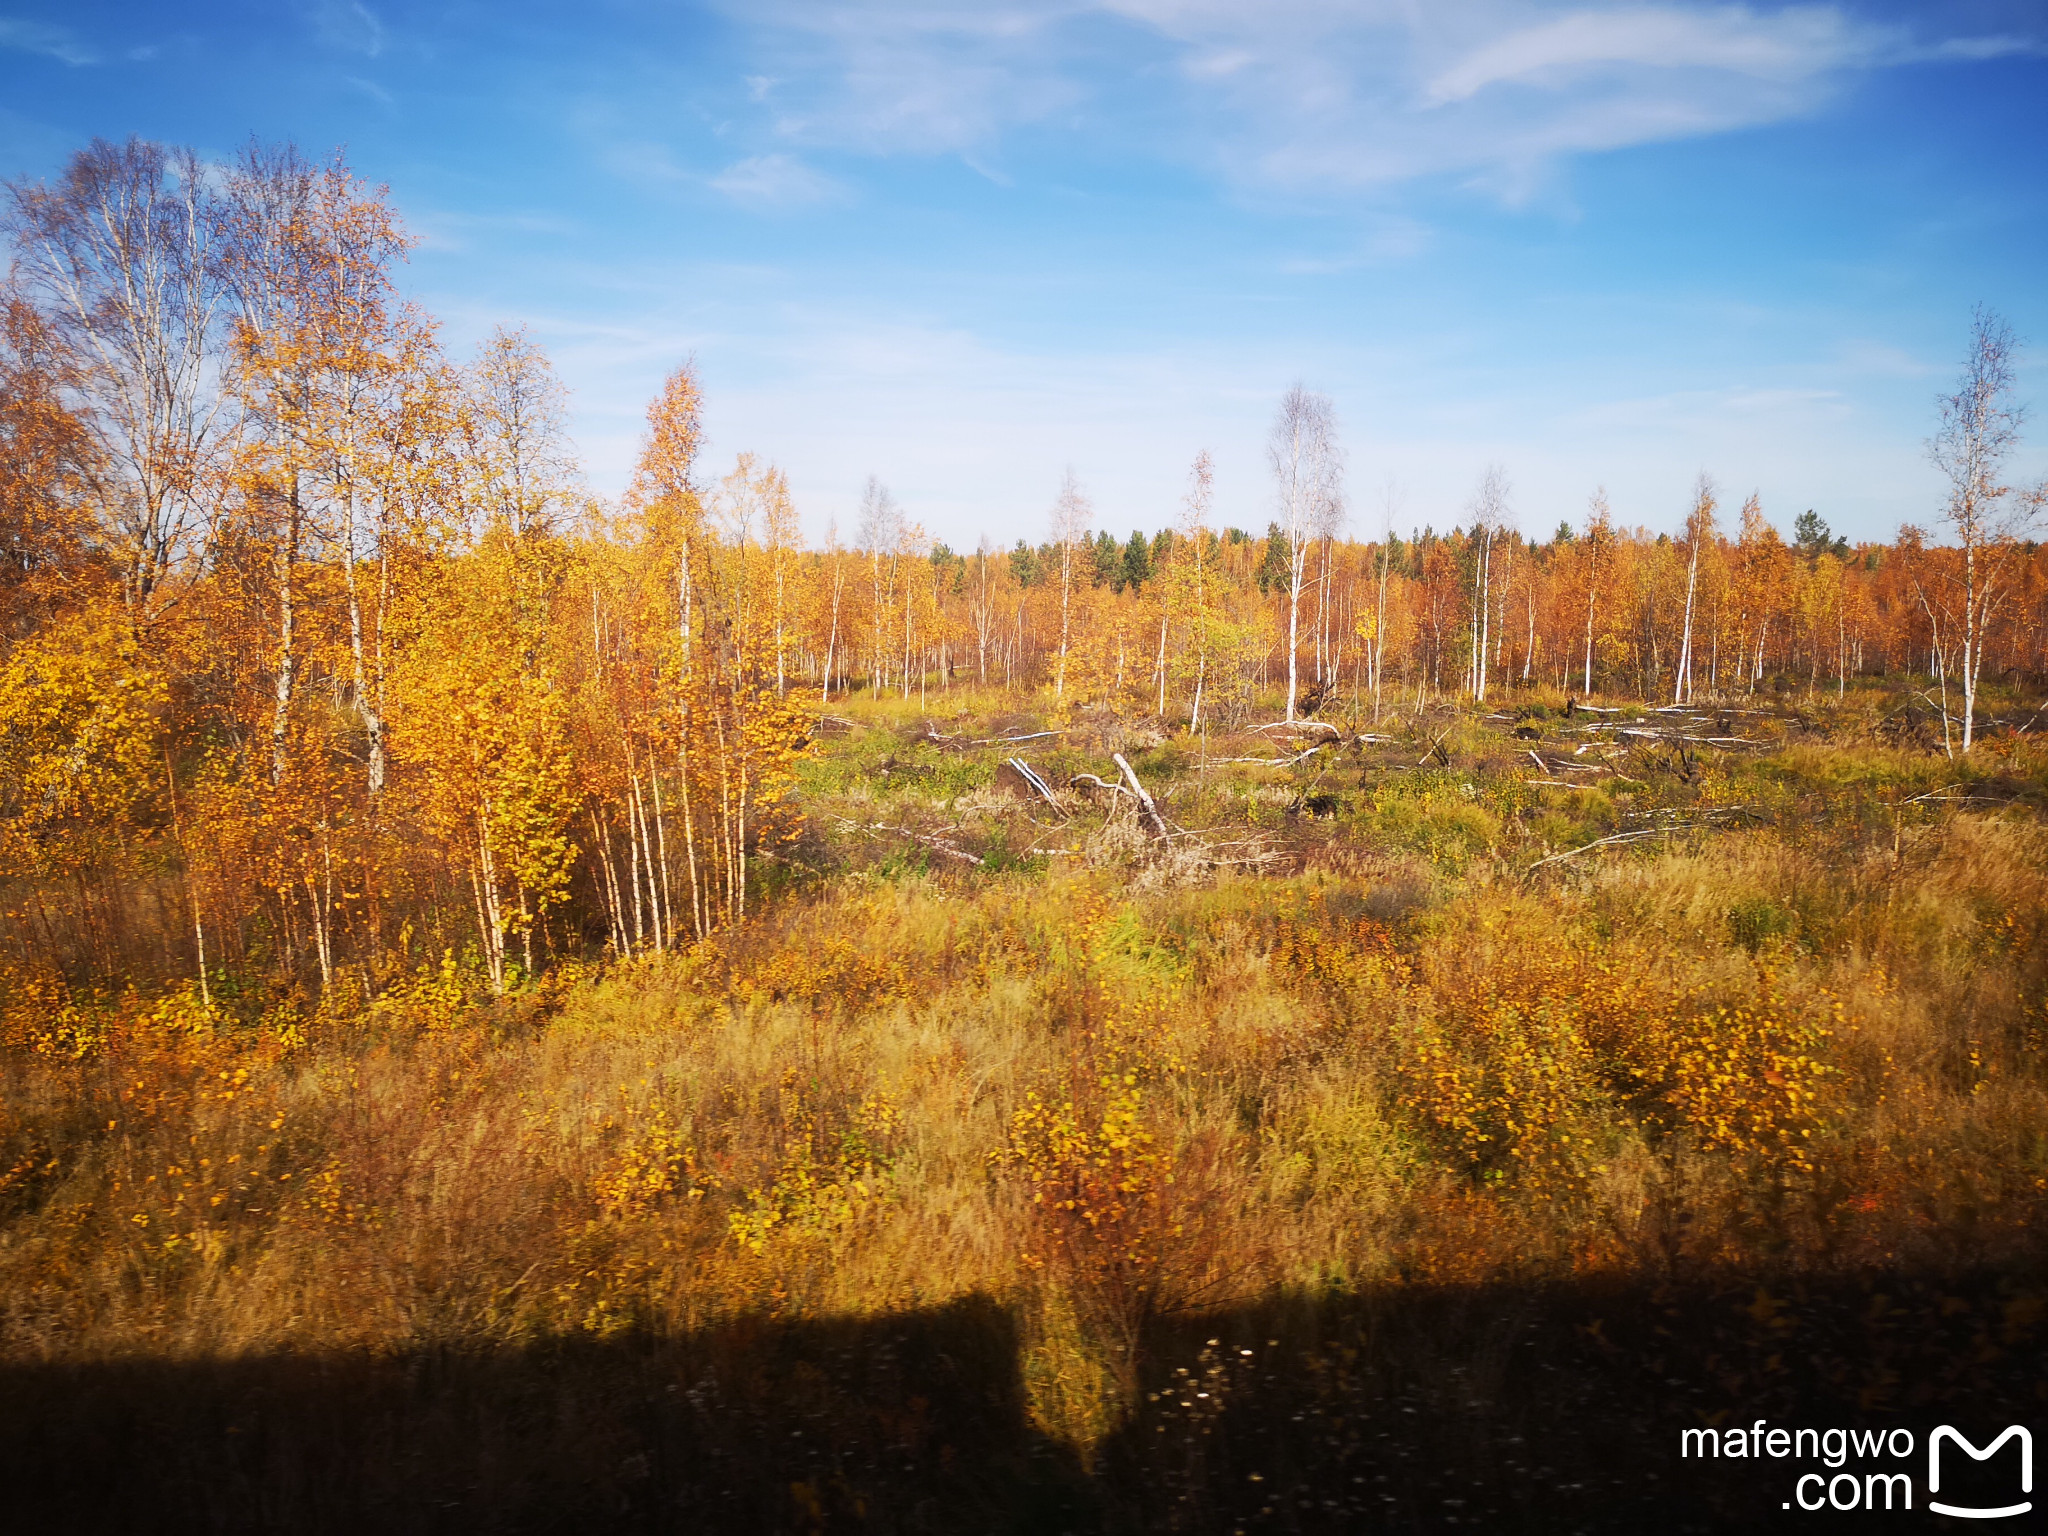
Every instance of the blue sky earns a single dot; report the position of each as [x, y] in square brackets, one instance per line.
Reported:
[962, 246]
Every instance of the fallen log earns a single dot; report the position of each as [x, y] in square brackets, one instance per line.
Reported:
[1038, 785]
[1145, 804]
[1642, 833]
[1090, 781]
[1011, 741]
[1265, 762]
[936, 845]
[1302, 725]
[1603, 842]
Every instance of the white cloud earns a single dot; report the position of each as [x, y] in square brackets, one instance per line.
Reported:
[1976, 49]
[1792, 45]
[348, 25]
[776, 182]
[1293, 96]
[1697, 413]
[923, 78]
[52, 42]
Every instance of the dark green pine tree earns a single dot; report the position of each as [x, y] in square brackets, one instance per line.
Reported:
[1109, 559]
[1273, 570]
[1811, 534]
[1137, 561]
[1025, 564]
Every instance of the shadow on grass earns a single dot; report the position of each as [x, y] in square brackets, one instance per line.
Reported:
[1563, 1408]
[911, 1423]
[1413, 1409]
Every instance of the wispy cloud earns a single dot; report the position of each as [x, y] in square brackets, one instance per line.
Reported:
[940, 77]
[1697, 413]
[348, 25]
[51, 42]
[1298, 96]
[776, 182]
[1792, 45]
[1971, 50]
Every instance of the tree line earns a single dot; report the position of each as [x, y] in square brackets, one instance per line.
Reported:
[318, 659]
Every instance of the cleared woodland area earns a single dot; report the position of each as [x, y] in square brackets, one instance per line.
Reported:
[933, 1197]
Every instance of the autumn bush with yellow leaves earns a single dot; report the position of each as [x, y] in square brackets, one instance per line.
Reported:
[1532, 1071]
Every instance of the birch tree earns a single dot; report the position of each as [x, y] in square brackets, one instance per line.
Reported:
[1190, 576]
[1308, 473]
[1599, 535]
[1071, 515]
[880, 533]
[1699, 528]
[1489, 520]
[121, 257]
[1978, 430]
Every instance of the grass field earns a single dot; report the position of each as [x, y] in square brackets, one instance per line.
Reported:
[1418, 1132]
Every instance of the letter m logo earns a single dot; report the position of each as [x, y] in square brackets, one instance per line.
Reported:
[1948, 1432]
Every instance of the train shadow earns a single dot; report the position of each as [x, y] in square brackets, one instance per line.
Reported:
[912, 1422]
[1497, 1408]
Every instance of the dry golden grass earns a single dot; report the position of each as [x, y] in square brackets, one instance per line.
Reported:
[1804, 1050]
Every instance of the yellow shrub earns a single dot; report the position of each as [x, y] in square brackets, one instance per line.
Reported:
[1523, 1069]
[825, 1183]
[651, 1163]
[1507, 1086]
[1097, 1183]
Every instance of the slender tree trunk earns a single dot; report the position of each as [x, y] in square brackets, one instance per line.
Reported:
[1296, 570]
[609, 885]
[1973, 643]
[1681, 685]
[668, 906]
[633, 876]
[1379, 639]
[368, 705]
[489, 918]
[1059, 687]
[832, 641]
[648, 862]
[1529, 656]
[1485, 609]
[287, 564]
